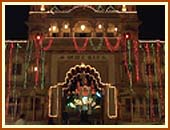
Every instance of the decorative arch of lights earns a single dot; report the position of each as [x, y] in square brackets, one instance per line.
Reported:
[95, 75]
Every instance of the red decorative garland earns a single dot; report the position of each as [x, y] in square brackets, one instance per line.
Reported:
[77, 47]
[9, 77]
[159, 77]
[38, 45]
[111, 47]
[136, 56]
[150, 83]
[49, 45]
[37, 52]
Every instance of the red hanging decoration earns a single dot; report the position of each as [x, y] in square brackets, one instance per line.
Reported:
[9, 77]
[49, 45]
[136, 57]
[150, 82]
[110, 47]
[77, 47]
[160, 78]
[38, 43]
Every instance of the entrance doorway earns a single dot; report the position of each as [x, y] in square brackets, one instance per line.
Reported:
[83, 100]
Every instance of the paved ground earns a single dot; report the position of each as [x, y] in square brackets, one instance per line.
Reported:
[119, 123]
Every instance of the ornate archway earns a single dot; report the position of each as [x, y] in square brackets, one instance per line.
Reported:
[83, 91]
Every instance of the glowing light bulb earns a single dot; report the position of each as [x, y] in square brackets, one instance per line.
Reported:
[99, 26]
[82, 27]
[35, 68]
[65, 26]
[127, 36]
[115, 29]
[49, 29]
[54, 28]
[42, 8]
[38, 37]
[82, 65]
[124, 9]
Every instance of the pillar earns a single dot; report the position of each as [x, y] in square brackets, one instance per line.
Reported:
[33, 109]
[131, 109]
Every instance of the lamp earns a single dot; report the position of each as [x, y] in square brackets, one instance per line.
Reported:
[66, 26]
[115, 29]
[124, 9]
[49, 29]
[83, 27]
[99, 26]
[42, 8]
[53, 28]
[35, 68]
[38, 37]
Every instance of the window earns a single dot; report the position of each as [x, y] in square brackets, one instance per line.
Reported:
[155, 104]
[141, 111]
[99, 34]
[110, 34]
[16, 69]
[82, 34]
[55, 34]
[150, 67]
[140, 100]
[66, 34]
[36, 102]
[128, 105]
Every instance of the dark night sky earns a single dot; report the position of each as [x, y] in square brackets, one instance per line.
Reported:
[151, 16]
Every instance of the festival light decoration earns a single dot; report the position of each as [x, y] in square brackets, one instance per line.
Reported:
[15, 69]
[115, 29]
[9, 76]
[15, 66]
[37, 43]
[38, 37]
[49, 29]
[156, 79]
[160, 77]
[77, 101]
[147, 85]
[77, 47]
[50, 113]
[66, 26]
[54, 28]
[43, 68]
[29, 50]
[83, 27]
[136, 57]
[129, 63]
[96, 48]
[49, 45]
[127, 35]
[42, 8]
[115, 101]
[150, 82]
[126, 59]
[124, 9]
[99, 9]
[99, 26]
[111, 47]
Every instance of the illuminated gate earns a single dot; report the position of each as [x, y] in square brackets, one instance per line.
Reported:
[83, 92]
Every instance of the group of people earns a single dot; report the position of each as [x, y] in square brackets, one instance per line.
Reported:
[21, 120]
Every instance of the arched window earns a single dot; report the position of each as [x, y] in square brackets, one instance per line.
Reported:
[112, 30]
[54, 30]
[65, 29]
[82, 29]
[99, 29]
